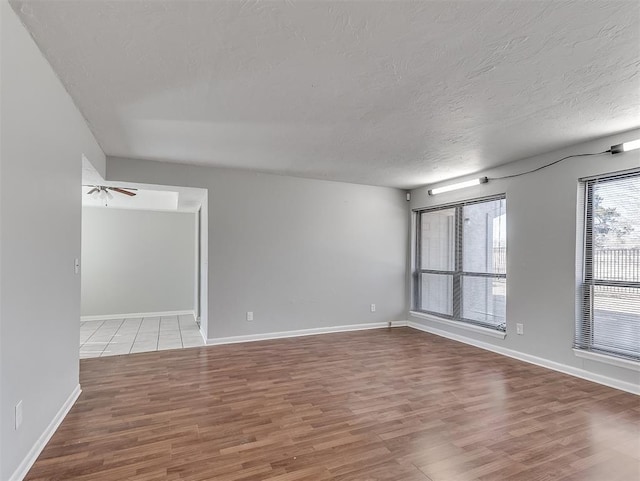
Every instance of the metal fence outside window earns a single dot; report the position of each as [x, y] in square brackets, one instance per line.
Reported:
[608, 264]
[616, 264]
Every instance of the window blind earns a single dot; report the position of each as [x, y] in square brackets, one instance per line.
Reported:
[460, 271]
[609, 297]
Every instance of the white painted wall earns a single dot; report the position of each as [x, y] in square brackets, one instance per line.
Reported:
[542, 218]
[299, 253]
[137, 261]
[43, 137]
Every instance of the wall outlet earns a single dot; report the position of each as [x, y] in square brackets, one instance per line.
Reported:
[249, 315]
[18, 415]
[76, 265]
[520, 329]
[373, 308]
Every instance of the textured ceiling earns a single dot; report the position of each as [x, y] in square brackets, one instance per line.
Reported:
[384, 93]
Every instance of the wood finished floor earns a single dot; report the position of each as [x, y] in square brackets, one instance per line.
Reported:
[394, 404]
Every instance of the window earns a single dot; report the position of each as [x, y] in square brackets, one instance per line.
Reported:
[609, 311]
[460, 271]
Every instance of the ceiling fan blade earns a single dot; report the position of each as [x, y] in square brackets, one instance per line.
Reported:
[95, 189]
[122, 191]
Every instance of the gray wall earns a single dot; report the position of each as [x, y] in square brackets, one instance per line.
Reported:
[137, 261]
[542, 224]
[43, 137]
[299, 253]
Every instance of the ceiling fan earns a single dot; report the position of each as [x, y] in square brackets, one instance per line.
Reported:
[102, 192]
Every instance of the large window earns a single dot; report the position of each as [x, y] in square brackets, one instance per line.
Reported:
[609, 313]
[461, 270]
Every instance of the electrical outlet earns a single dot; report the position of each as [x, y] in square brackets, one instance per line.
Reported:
[249, 315]
[76, 265]
[18, 421]
[520, 329]
[373, 308]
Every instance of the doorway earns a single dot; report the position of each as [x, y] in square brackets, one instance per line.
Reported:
[142, 272]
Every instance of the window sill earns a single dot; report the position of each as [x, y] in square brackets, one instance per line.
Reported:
[592, 356]
[459, 325]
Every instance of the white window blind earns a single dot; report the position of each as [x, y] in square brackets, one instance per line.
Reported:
[609, 305]
[460, 271]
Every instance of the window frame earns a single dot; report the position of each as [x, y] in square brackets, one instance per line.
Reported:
[585, 313]
[458, 273]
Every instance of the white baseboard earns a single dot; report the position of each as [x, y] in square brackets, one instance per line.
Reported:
[136, 315]
[302, 332]
[44, 438]
[538, 361]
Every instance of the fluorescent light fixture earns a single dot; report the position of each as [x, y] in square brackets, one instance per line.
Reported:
[459, 185]
[626, 147]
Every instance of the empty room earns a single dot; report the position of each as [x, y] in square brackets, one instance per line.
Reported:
[140, 268]
[403, 237]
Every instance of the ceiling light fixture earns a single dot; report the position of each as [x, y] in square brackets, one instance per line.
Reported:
[459, 185]
[625, 147]
[615, 149]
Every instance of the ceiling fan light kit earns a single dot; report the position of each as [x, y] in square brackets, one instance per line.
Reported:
[101, 192]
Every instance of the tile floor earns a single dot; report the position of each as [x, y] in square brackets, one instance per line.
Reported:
[124, 336]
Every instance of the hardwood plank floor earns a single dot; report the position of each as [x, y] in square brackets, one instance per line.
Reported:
[388, 404]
